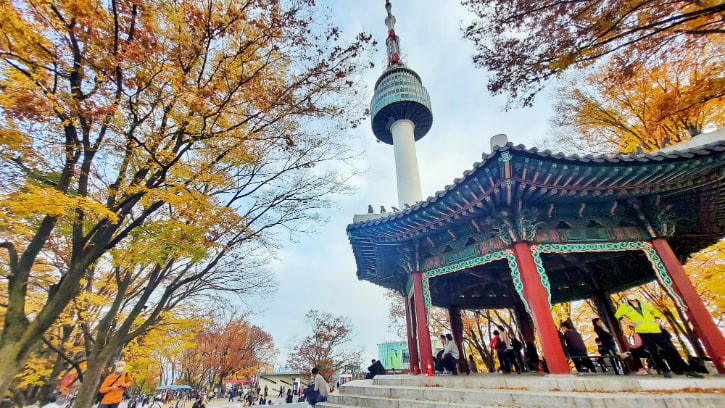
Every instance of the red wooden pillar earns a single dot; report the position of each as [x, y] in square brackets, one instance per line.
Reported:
[537, 298]
[454, 314]
[423, 334]
[705, 327]
[410, 326]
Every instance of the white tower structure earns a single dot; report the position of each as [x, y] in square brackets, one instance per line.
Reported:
[401, 114]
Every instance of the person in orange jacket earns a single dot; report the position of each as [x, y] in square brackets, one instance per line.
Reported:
[114, 386]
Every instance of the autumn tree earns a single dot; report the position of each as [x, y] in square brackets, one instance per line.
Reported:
[113, 111]
[325, 348]
[646, 108]
[527, 43]
[153, 356]
[396, 313]
[234, 347]
[706, 269]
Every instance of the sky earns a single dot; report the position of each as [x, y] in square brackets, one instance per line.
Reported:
[318, 271]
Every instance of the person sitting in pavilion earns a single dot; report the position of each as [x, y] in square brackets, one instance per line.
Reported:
[657, 344]
[450, 355]
[438, 360]
[472, 364]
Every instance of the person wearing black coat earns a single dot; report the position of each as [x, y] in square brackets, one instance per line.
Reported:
[605, 337]
[376, 368]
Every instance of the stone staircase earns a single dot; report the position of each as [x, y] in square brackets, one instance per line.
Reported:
[529, 390]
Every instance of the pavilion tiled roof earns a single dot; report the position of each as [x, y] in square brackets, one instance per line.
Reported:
[514, 175]
[603, 161]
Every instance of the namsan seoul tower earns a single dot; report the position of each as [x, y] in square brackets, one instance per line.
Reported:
[401, 115]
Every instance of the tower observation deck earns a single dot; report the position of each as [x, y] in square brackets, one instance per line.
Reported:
[401, 114]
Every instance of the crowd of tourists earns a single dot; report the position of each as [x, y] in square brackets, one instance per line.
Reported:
[114, 388]
[646, 342]
[645, 339]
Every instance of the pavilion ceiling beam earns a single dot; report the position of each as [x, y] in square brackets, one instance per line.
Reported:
[641, 170]
[587, 173]
[609, 175]
[684, 170]
[657, 177]
[602, 171]
[549, 174]
[624, 174]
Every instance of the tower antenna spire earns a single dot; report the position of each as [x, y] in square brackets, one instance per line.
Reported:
[393, 42]
[401, 114]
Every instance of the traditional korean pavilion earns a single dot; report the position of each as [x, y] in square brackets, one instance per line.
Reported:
[525, 229]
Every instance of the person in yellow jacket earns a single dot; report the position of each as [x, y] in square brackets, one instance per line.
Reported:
[114, 386]
[643, 316]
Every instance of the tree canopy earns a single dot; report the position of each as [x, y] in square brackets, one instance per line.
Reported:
[527, 43]
[326, 348]
[163, 141]
[646, 108]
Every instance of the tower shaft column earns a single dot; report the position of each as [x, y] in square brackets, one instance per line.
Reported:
[406, 163]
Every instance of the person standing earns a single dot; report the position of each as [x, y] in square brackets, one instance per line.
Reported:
[516, 358]
[532, 357]
[607, 345]
[607, 340]
[577, 349]
[675, 361]
[643, 316]
[289, 397]
[508, 353]
[114, 386]
[499, 345]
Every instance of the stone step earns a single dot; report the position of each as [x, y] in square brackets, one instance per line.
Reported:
[350, 401]
[502, 398]
[554, 382]
[429, 393]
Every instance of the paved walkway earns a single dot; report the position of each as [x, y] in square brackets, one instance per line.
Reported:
[222, 403]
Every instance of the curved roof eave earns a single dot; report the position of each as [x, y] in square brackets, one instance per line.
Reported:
[546, 156]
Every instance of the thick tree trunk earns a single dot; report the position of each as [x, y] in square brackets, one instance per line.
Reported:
[19, 336]
[91, 380]
[12, 357]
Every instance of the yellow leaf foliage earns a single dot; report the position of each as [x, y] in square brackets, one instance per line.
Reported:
[647, 106]
[706, 269]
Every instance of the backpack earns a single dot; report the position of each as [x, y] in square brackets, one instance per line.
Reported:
[500, 345]
[516, 344]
